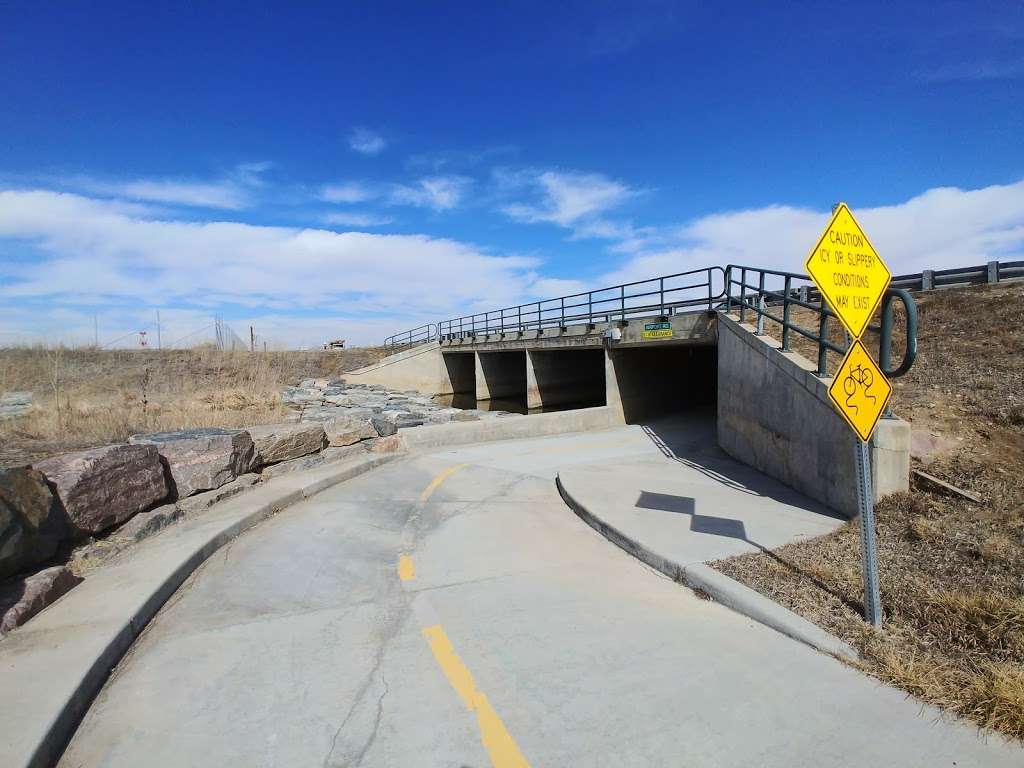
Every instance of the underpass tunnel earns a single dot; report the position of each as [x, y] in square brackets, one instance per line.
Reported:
[656, 381]
[501, 375]
[460, 368]
[565, 378]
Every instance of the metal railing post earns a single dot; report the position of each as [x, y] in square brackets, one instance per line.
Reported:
[661, 295]
[785, 314]
[743, 293]
[822, 338]
[590, 308]
[539, 326]
[622, 299]
[561, 325]
[519, 312]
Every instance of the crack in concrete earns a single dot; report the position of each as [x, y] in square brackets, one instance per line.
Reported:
[376, 722]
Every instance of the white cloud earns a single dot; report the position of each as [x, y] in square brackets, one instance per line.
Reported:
[99, 250]
[564, 197]
[440, 193]
[354, 219]
[347, 192]
[366, 142]
[941, 228]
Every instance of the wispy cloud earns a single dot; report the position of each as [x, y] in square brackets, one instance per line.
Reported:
[354, 219]
[232, 193]
[366, 141]
[347, 192]
[565, 198]
[439, 193]
[974, 70]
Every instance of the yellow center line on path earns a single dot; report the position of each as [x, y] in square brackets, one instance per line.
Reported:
[498, 742]
[406, 568]
[434, 484]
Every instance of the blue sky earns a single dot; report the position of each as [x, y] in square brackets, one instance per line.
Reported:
[351, 168]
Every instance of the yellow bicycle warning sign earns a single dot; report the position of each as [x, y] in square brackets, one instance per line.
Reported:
[860, 390]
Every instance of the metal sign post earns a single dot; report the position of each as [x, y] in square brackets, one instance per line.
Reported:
[853, 278]
[868, 543]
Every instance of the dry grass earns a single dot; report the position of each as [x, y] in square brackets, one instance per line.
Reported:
[89, 397]
[952, 572]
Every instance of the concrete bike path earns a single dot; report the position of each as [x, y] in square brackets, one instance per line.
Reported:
[448, 609]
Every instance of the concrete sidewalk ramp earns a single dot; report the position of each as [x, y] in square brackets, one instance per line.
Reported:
[685, 503]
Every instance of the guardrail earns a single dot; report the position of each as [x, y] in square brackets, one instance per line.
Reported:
[418, 335]
[930, 279]
[695, 289]
[765, 293]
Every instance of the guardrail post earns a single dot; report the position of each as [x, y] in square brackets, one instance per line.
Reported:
[928, 280]
[822, 338]
[993, 271]
[762, 307]
[785, 314]
[743, 293]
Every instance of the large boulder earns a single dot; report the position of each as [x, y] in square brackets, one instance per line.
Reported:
[385, 427]
[32, 524]
[345, 431]
[281, 442]
[22, 599]
[201, 459]
[105, 486]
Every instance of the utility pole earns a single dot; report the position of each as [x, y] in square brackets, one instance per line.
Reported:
[159, 341]
[252, 339]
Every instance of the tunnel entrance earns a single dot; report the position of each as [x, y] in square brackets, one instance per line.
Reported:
[501, 376]
[565, 379]
[664, 380]
[460, 368]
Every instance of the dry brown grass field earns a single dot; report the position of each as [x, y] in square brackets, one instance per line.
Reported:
[88, 397]
[952, 571]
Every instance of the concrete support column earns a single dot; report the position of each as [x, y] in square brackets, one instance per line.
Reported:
[612, 396]
[533, 393]
[483, 392]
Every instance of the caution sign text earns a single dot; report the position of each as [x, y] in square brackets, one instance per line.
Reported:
[848, 271]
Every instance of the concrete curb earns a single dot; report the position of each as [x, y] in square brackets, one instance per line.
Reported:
[54, 666]
[516, 427]
[718, 586]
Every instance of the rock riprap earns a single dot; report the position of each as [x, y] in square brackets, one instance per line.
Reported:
[22, 599]
[32, 523]
[103, 487]
[13, 404]
[281, 442]
[201, 459]
[355, 409]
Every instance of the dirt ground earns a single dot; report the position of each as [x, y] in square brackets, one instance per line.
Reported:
[952, 571]
[89, 397]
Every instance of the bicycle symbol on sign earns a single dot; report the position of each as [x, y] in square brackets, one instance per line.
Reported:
[858, 377]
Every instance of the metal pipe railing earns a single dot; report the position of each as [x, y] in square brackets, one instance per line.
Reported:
[759, 299]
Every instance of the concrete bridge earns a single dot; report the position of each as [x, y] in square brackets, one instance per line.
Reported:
[698, 349]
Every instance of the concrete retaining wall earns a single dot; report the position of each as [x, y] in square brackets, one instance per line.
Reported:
[774, 414]
[420, 368]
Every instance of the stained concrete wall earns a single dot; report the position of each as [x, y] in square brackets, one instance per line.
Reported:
[573, 377]
[500, 375]
[774, 414]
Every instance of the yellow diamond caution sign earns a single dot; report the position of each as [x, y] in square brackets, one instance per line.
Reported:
[860, 390]
[848, 271]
